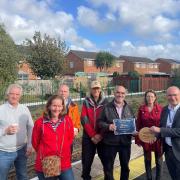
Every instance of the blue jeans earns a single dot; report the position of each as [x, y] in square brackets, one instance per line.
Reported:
[65, 175]
[18, 158]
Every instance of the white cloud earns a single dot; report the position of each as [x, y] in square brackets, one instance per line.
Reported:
[23, 18]
[92, 19]
[156, 19]
[152, 51]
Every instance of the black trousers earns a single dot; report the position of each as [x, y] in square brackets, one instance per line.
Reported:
[173, 164]
[147, 162]
[88, 153]
[109, 153]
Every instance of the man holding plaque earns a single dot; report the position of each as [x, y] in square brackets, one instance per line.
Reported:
[169, 131]
[112, 123]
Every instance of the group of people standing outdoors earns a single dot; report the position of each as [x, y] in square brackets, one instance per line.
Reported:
[53, 133]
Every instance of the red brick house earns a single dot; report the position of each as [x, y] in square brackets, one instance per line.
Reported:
[168, 65]
[25, 72]
[140, 64]
[83, 61]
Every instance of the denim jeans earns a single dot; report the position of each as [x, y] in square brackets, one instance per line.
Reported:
[18, 158]
[65, 175]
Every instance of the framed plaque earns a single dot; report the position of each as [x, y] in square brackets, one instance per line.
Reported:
[124, 126]
[145, 135]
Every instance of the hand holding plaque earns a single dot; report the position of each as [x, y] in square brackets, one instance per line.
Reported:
[124, 126]
[146, 136]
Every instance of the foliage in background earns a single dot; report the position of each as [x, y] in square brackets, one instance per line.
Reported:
[46, 56]
[116, 74]
[104, 60]
[176, 77]
[133, 74]
[9, 58]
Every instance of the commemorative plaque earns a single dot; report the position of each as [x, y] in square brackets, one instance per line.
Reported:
[124, 126]
[145, 135]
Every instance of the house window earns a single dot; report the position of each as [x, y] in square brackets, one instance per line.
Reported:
[151, 66]
[173, 66]
[155, 66]
[71, 65]
[143, 65]
[137, 65]
[23, 76]
[118, 64]
[90, 63]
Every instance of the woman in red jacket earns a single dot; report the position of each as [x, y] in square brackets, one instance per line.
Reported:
[148, 116]
[53, 135]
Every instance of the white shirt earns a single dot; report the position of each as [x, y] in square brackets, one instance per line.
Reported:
[170, 119]
[119, 108]
[21, 116]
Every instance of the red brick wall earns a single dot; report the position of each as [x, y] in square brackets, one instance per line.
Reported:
[164, 66]
[129, 66]
[145, 70]
[111, 70]
[25, 68]
[78, 64]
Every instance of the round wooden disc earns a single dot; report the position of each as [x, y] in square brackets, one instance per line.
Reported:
[145, 135]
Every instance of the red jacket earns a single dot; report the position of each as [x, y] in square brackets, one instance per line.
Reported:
[148, 119]
[90, 113]
[47, 141]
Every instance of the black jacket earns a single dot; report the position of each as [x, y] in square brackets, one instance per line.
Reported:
[108, 114]
[173, 132]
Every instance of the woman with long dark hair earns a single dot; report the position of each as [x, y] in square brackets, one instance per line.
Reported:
[148, 116]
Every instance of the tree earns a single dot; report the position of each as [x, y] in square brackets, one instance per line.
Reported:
[176, 77]
[46, 56]
[104, 60]
[9, 58]
[133, 74]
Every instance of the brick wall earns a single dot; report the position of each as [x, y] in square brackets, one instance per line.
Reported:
[77, 62]
[111, 70]
[130, 66]
[25, 68]
[164, 66]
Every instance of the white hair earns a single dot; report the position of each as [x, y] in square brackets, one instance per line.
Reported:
[12, 86]
[63, 85]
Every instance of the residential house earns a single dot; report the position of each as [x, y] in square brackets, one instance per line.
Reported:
[83, 61]
[140, 64]
[25, 72]
[168, 65]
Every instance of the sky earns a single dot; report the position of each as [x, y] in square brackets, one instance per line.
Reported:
[145, 28]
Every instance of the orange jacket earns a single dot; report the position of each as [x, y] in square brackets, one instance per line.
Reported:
[73, 113]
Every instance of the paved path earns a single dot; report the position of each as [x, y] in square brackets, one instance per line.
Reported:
[136, 167]
[96, 171]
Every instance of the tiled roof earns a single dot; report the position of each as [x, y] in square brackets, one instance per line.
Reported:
[136, 59]
[85, 54]
[171, 61]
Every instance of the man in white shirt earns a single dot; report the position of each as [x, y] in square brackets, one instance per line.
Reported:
[170, 131]
[15, 134]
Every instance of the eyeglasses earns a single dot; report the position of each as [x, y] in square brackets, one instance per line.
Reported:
[170, 95]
